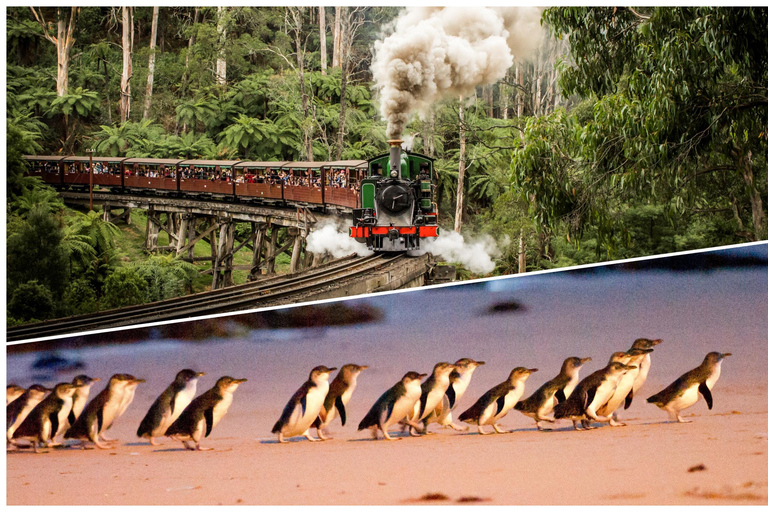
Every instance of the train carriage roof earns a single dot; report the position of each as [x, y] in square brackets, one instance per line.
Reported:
[259, 164]
[305, 165]
[347, 163]
[210, 163]
[154, 161]
[95, 158]
[44, 158]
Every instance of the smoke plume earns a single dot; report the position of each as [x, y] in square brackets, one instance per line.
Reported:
[333, 239]
[438, 52]
[476, 256]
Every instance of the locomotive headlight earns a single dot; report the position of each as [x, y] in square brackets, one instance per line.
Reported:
[393, 174]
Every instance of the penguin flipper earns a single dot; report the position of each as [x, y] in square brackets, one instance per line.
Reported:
[71, 418]
[54, 419]
[208, 413]
[560, 395]
[451, 394]
[704, 390]
[100, 418]
[500, 403]
[590, 396]
[303, 405]
[628, 400]
[342, 411]
[390, 408]
[422, 405]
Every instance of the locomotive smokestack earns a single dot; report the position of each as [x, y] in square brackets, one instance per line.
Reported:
[394, 157]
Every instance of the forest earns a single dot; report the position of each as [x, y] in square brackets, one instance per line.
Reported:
[623, 132]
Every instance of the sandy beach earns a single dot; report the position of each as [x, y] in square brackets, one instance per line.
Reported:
[719, 459]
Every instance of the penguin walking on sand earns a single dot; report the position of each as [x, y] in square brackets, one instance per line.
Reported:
[622, 395]
[303, 408]
[129, 392]
[12, 392]
[49, 418]
[18, 410]
[394, 405]
[203, 413]
[541, 404]
[591, 394]
[645, 365]
[339, 394]
[497, 401]
[169, 405]
[684, 392]
[432, 393]
[460, 379]
[101, 412]
[83, 384]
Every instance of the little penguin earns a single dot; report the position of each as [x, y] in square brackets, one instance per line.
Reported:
[590, 394]
[303, 408]
[203, 413]
[645, 365]
[169, 405]
[49, 418]
[12, 392]
[18, 410]
[100, 412]
[623, 392]
[339, 394]
[460, 379]
[83, 384]
[432, 392]
[394, 405]
[684, 392]
[129, 392]
[497, 401]
[541, 403]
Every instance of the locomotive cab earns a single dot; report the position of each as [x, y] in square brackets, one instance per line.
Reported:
[396, 206]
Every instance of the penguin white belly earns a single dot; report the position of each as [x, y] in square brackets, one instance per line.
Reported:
[433, 399]
[127, 399]
[78, 404]
[301, 421]
[183, 399]
[645, 366]
[602, 395]
[546, 408]
[402, 408]
[221, 408]
[110, 413]
[346, 396]
[571, 385]
[623, 388]
[712, 380]
[199, 431]
[20, 418]
[63, 414]
[687, 399]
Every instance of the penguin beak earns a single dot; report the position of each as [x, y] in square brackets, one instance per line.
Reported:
[656, 342]
[240, 381]
[138, 381]
[96, 379]
[631, 367]
[332, 369]
[531, 370]
[585, 360]
[364, 367]
[200, 374]
[479, 363]
[422, 375]
[722, 356]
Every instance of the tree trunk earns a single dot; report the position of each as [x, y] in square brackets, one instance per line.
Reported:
[185, 76]
[462, 168]
[521, 263]
[151, 73]
[520, 98]
[221, 61]
[125, 80]
[342, 110]
[756, 201]
[336, 63]
[64, 41]
[323, 46]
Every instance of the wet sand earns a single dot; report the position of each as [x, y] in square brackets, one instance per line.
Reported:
[647, 462]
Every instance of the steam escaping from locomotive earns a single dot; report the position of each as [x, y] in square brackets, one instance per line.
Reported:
[438, 52]
[475, 255]
[332, 239]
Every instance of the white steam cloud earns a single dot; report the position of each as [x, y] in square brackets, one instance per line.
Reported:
[334, 239]
[438, 52]
[476, 256]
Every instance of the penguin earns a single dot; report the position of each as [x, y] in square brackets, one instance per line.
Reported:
[100, 412]
[497, 401]
[12, 392]
[432, 392]
[129, 392]
[169, 405]
[303, 408]
[83, 384]
[203, 413]
[645, 366]
[48, 419]
[18, 410]
[623, 392]
[339, 394]
[460, 379]
[591, 393]
[541, 403]
[684, 392]
[394, 405]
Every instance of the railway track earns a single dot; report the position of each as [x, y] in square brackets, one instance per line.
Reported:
[274, 290]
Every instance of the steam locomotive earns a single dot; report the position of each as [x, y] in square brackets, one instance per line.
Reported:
[396, 208]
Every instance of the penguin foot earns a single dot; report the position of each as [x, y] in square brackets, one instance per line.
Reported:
[280, 438]
[500, 430]
[201, 449]
[681, 420]
[309, 436]
[414, 433]
[457, 427]
[101, 446]
[481, 431]
[154, 442]
[576, 425]
[615, 423]
[322, 436]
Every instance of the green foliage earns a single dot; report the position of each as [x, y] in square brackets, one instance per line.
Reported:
[80, 298]
[77, 101]
[166, 276]
[124, 287]
[31, 301]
